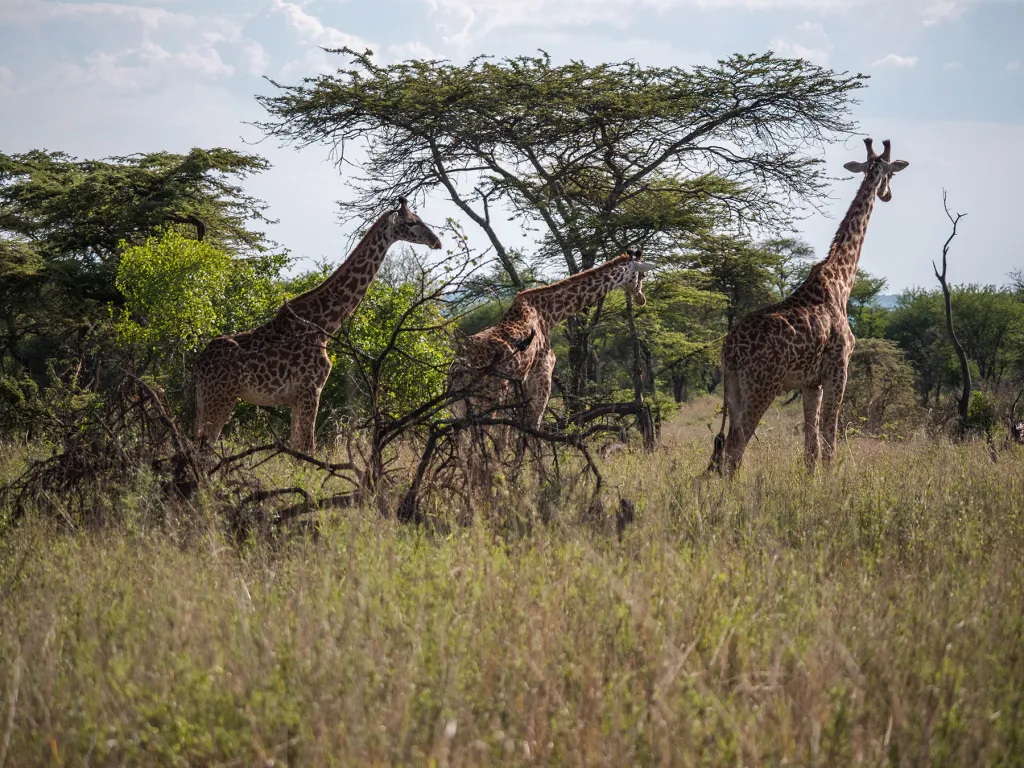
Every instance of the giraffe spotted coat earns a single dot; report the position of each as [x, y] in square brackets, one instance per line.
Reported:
[803, 342]
[516, 352]
[285, 361]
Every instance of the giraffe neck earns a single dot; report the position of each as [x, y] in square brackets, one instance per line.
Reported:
[565, 298]
[840, 266]
[336, 298]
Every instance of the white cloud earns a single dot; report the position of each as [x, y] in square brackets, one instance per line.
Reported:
[36, 11]
[256, 59]
[6, 81]
[895, 60]
[148, 64]
[943, 10]
[1013, 65]
[107, 69]
[811, 43]
[950, 65]
[312, 30]
[315, 62]
[460, 21]
[790, 49]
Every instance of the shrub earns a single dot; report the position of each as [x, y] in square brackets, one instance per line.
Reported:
[879, 395]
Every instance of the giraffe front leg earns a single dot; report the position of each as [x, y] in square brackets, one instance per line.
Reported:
[303, 432]
[538, 389]
[833, 387]
[812, 406]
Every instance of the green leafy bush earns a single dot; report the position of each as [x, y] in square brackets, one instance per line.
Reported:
[879, 396]
[179, 292]
[982, 411]
[405, 341]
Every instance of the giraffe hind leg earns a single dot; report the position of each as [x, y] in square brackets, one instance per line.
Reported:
[833, 389]
[812, 405]
[743, 426]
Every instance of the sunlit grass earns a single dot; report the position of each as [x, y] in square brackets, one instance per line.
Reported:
[872, 615]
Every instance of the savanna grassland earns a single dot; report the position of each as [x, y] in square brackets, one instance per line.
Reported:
[873, 616]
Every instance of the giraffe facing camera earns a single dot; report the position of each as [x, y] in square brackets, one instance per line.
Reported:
[803, 342]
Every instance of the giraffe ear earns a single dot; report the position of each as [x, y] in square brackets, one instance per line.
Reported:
[898, 165]
[855, 167]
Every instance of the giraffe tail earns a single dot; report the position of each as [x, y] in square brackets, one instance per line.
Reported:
[718, 452]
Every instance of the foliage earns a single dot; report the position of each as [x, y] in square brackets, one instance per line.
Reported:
[790, 265]
[679, 332]
[417, 340]
[82, 210]
[989, 323]
[62, 225]
[917, 325]
[179, 292]
[594, 158]
[982, 411]
[863, 296]
[879, 397]
[736, 268]
[17, 393]
[560, 143]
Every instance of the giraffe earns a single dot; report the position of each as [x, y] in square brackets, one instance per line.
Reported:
[285, 361]
[518, 348]
[803, 342]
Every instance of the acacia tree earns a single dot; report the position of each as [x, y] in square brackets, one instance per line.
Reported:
[568, 150]
[793, 259]
[63, 222]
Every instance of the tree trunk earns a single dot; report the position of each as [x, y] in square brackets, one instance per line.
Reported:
[577, 333]
[645, 422]
[964, 400]
[679, 387]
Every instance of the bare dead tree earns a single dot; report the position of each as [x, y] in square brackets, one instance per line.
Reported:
[965, 370]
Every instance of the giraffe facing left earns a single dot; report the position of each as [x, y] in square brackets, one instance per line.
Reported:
[285, 360]
[517, 350]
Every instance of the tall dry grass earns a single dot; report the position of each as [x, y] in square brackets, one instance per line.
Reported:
[875, 615]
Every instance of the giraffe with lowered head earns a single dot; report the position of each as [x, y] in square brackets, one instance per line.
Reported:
[517, 350]
[285, 361]
[803, 342]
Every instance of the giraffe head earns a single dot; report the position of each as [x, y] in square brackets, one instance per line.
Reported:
[881, 166]
[406, 225]
[636, 267]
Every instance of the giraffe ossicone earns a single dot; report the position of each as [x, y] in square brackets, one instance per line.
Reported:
[285, 360]
[805, 341]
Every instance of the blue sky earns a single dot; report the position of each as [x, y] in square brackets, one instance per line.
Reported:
[947, 86]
